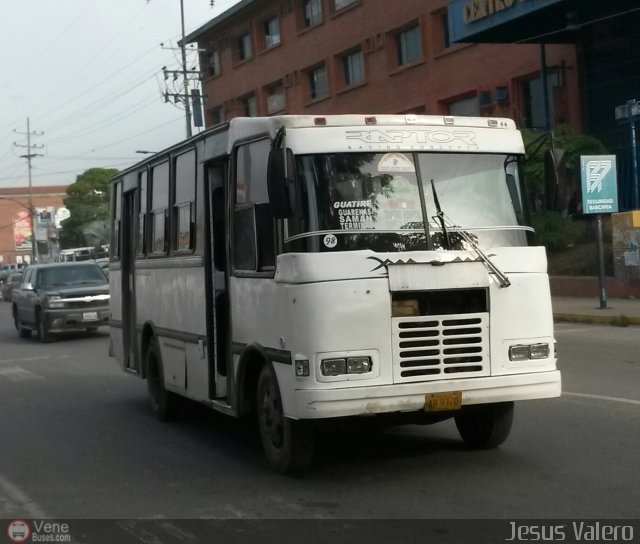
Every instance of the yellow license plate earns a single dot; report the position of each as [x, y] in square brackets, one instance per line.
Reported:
[442, 402]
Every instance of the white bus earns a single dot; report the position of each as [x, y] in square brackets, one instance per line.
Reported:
[383, 267]
[77, 254]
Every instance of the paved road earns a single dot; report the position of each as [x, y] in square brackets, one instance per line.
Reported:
[79, 441]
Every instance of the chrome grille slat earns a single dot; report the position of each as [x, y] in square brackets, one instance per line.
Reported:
[440, 347]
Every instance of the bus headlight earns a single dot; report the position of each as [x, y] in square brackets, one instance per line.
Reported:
[349, 365]
[358, 365]
[540, 351]
[530, 351]
[333, 367]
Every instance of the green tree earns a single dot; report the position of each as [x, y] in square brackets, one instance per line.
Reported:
[88, 201]
[554, 229]
[565, 138]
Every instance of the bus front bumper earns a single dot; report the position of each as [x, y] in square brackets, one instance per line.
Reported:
[380, 399]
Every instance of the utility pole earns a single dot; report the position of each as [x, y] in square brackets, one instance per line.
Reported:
[30, 155]
[185, 79]
[185, 96]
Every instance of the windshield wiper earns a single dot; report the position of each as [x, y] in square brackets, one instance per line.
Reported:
[503, 281]
[440, 216]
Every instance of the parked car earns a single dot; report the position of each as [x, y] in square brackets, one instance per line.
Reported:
[60, 297]
[7, 269]
[12, 282]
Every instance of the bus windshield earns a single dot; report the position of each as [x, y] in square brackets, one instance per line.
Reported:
[374, 201]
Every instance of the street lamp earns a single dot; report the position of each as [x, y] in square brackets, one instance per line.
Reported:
[628, 113]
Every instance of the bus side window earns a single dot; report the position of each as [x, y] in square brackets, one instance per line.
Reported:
[116, 202]
[142, 214]
[185, 197]
[159, 208]
[253, 224]
[219, 244]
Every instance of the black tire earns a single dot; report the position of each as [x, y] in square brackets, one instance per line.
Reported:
[22, 331]
[287, 443]
[485, 426]
[43, 333]
[164, 404]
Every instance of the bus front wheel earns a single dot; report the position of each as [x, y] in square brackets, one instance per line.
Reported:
[163, 402]
[287, 443]
[485, 426]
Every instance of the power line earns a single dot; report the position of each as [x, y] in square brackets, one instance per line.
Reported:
[30, 155]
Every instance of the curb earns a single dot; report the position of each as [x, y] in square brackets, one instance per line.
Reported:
[619, 320]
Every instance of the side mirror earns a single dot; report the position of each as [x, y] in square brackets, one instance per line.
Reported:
[278, 185]
[26, 287]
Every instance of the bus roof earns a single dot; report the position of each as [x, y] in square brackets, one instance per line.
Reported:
[239, 128]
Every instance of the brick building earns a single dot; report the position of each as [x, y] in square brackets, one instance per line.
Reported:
[265, 57]
[15, 224]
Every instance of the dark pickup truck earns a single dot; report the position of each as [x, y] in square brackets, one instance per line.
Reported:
[60, 297]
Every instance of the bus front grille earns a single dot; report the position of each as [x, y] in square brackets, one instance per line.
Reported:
[440, 347]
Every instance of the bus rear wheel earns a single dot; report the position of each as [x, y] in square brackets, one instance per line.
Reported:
[163, 403]
[485, 426]
[287, 443]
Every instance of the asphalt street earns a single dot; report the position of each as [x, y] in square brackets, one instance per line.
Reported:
[79, 441]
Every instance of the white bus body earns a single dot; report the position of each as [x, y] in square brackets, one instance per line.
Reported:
[323, 293]
[77, 254]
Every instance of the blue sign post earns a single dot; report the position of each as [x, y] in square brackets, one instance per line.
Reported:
[599, 195]
[599, 184]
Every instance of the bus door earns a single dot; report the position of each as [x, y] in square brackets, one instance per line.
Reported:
[128, 261]
[216, 285]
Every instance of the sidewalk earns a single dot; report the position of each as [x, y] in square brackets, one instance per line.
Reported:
[619, 311]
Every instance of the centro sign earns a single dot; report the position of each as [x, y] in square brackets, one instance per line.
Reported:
[474, 10]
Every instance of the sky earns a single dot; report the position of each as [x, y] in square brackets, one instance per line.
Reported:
[88, 75]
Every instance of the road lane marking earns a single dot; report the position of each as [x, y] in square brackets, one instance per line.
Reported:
[601, 397]
[22, 503]
[30, 359]
[18, 374]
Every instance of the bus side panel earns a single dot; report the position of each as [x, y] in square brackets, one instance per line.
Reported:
[170, 298]
[115, 329]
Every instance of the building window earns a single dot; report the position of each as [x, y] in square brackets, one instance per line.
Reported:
[185, 201]
[311, 13]
[466, 106]
[353, 68]
[318, 82]
[441, 37]
[214, 63]
[275, 99]
[533, 101]
[341, 4]
[217, 116]
[159, 208]
[244, 47]
[271, 28]
[409, 46]
[250, 106]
